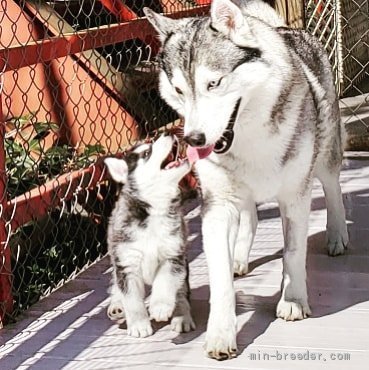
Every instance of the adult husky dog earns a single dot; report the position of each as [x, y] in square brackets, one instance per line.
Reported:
[261, 113]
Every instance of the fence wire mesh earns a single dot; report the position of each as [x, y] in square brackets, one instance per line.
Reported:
[343, 28]
[78, 82]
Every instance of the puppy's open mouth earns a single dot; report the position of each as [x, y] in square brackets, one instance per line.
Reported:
[173, 159]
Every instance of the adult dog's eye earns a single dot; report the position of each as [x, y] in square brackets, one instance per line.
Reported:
[178, 91]
[214, 84]
[146, 153]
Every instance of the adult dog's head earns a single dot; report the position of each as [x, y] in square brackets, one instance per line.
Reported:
[209, 64]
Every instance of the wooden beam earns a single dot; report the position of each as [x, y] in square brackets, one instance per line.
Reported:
[37, 202]
[19, 56]
[91, 59]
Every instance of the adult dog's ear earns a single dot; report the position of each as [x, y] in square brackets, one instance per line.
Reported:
[227, 18]
[163, 25]
[118, 169]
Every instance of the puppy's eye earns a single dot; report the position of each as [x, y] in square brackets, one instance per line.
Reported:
[214, 84]
[146, 153]
[178, 91]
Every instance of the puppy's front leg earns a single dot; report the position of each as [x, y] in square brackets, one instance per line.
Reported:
[219, 228]
[169, 295]
[130, 283]
[168, 280]
[115, 310]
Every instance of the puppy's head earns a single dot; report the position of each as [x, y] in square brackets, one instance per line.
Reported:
[148, 167]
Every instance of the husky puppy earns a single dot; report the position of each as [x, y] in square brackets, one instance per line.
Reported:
[261, 120]
[147, 240]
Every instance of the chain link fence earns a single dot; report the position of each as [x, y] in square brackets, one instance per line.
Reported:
[78, 81]
[343, 28]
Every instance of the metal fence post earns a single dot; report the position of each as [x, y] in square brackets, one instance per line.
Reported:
[6, 298]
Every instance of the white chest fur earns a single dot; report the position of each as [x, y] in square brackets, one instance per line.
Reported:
[153, 244]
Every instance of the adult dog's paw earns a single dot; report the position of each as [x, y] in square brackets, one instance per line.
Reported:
[337, 240]
[140, 329]
[290, 311]
[116, 312]
[160, 311]
[221, 343]
[182, 324]
[337, 244]
[240, 268]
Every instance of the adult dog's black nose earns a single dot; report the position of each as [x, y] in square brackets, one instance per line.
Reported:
[195, 138]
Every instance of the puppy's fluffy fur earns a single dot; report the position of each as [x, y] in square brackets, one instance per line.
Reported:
[147, 240]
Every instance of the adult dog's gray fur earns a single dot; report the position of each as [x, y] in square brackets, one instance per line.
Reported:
[287, 131]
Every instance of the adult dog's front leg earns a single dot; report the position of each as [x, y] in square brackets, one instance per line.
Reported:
[219, 229]
[293, 304]
[245, 237]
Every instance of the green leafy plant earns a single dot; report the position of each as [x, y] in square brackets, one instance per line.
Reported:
[48, 251]
[30, 163]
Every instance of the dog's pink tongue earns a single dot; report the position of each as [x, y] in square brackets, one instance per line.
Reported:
[194, 154]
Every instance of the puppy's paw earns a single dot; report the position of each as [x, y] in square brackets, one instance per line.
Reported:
[160, 311]
[290, 311]
[140, 329]
[116, 312]
[221, 343]
[182, 324]
[240, 268]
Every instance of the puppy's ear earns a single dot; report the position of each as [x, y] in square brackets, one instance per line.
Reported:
[163, 25]
[118, 169]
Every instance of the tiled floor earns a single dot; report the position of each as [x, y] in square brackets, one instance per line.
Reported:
[70, 329]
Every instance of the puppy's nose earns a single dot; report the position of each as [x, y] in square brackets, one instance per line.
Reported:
[195, 138]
